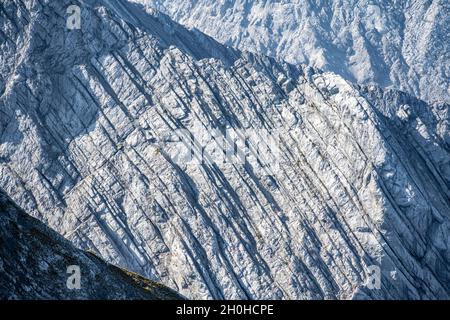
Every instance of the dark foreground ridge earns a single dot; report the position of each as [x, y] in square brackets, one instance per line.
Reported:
[34, 262]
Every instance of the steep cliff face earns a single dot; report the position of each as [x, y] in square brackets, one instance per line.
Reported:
[89, 124]
[400, 44]
[37, 263]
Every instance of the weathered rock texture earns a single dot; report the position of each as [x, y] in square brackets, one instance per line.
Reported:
[86, 118]
[34, 261]
[401, 44]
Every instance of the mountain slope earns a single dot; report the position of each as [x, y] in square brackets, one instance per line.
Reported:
[34, 261]
[400, 44]
[88, 145]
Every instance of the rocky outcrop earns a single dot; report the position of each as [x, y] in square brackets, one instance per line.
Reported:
[90, 128]
[402, 44]
[37, 263]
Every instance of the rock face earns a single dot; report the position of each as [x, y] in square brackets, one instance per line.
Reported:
[34, 261]
[400, 44]
[90, 126]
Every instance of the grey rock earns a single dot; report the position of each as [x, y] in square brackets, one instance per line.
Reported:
[35, 260]
[86, 119]
[397, 44]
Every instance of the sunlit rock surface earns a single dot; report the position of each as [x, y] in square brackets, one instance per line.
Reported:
[37, 263]
[86, 124]
[399, 44]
